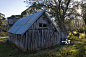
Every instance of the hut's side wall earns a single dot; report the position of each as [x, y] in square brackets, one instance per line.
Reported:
[19, 40]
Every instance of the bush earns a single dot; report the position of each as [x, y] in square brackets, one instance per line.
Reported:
[3, 33]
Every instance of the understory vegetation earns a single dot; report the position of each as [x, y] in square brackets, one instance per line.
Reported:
[3, 33]
[77, 48]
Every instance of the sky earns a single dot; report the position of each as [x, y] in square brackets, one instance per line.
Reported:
[12, 7]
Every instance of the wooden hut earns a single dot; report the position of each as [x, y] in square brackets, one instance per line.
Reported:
[12, 20]
[34, 32]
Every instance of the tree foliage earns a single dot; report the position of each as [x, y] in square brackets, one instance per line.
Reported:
[60, 9]
[2, 16]
[84, 12]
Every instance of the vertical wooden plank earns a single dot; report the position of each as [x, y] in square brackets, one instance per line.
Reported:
[22, 41]
[46, 38]
[52, 38]
[42, 39]
[29, 40]
[55, 38]
[19, 41]
[45, 41]
[16, 39]
[60, 38]
[36, 39]
[33, 39]
[49, 38]
[39, 39]
[26, 41]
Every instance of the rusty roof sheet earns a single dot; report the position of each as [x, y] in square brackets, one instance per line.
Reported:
[23, 24]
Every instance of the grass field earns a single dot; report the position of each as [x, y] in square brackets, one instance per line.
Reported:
[77, 48]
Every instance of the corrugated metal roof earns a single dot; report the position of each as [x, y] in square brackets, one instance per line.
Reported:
[23, 24]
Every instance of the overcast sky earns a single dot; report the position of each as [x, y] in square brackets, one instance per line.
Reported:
[12, 7]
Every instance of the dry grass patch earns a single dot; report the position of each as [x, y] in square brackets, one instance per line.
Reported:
[3, 39]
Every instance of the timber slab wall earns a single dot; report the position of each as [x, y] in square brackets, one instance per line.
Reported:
[35, 39]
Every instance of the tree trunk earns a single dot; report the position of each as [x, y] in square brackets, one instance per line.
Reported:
[70, 27]
[85, 28]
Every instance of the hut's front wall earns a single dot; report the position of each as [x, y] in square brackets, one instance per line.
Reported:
[42, 39]
[43, 20]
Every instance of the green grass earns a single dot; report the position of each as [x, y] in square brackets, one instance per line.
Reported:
[77, 49]
[7, 51]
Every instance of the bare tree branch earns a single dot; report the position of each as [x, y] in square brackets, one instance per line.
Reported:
[66, 7]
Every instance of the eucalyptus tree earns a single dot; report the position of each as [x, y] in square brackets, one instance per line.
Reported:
[2, 18]
[84, 14]
[58, 9]
[73, 14]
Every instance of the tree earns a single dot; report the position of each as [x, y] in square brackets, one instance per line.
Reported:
[3, 22]
[59, 7]
[2, 17]
[84, 14]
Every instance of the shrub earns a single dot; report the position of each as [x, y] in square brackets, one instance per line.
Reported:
[3, 33]
[81, 30]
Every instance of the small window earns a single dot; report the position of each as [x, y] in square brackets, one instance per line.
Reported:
[40, 25]
[44, 25]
